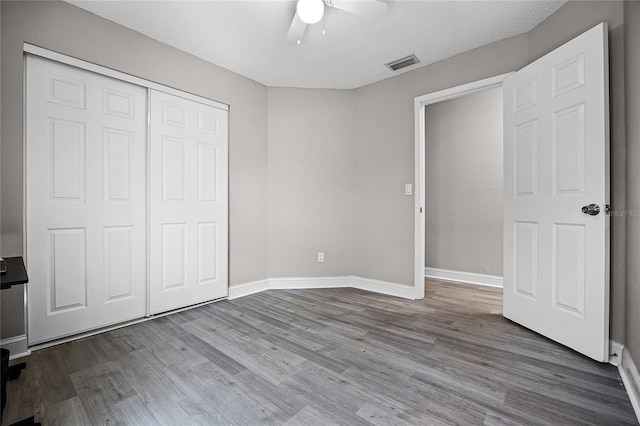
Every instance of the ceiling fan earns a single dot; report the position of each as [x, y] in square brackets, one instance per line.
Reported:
[311, 11]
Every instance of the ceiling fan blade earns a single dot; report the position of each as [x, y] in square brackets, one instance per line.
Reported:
[372, 9]
[296, 30]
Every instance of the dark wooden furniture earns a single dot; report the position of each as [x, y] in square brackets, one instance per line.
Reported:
[16, 274]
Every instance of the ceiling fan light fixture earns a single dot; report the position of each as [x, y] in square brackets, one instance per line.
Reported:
[310, 11]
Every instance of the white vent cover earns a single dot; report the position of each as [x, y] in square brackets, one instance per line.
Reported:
[402, 62]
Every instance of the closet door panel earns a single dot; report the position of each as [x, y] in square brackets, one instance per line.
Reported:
[85, 200]
[188, 203]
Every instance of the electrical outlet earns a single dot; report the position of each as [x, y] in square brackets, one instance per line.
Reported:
[320, 257]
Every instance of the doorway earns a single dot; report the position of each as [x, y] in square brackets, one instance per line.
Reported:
[423, 204]
[463, 188]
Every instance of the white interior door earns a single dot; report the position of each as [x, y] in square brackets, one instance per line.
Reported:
[188, 202]
[556, 160]
[85, 200]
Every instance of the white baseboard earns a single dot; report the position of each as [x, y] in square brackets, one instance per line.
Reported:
[463, 277]
[17, 346]
[314, 282]
[368, 284]
[628, 373]
[248, 288]
[615, 352]
[384, 287]
[631, 380]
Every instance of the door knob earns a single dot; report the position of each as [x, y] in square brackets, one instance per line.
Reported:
[591, 209]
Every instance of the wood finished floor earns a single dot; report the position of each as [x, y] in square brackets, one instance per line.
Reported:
[325, 357]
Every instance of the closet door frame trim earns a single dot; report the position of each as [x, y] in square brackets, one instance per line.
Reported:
[99, 69]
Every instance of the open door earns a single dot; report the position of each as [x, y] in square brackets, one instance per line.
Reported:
[556, 195]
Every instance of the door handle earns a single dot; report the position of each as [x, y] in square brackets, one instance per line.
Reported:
[591, 209]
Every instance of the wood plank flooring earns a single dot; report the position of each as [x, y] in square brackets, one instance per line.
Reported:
[322, 357]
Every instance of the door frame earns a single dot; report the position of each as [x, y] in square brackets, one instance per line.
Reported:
[420, 102]
[31, 49]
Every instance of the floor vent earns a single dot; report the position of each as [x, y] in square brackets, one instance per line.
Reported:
[402, 62]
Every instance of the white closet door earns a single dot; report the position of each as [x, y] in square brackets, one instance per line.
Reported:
[85, 200]
[188, 203]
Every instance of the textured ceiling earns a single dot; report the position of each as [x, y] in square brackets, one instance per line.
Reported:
[248, 37]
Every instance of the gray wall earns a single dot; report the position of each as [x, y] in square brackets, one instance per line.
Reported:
[618, 152]
[384, 234]
[310, 134]
[7, 307]
[463, 183]
[632, 67]
[67, 29]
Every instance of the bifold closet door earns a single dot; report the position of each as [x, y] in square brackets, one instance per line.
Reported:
[188, 241]
[85, 200]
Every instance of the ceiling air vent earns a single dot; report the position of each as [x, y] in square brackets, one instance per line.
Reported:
[402, 62]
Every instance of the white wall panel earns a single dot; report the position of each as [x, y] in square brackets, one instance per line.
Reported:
[68, 285]
[174, 253]
[67, 159]
[569, 265]
[208, 123]
[173, 115]
[207, 172]
[118, 164]
[207, 252]
[173, 169]
[66, 91]
[526, 161]
[569, 151]
[568, 75]
[525, 96]
[120, 104]
[526, 259]
[119, 256]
